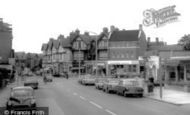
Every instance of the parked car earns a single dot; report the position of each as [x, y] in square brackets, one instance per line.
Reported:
[88, 80]
[33, 82]
[130, 86]
[99, 82]
[110, 85]
[21, 97]
[49, 78]
[80, 79]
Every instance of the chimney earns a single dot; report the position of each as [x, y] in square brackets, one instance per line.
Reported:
[51, 39]
[60, 37]
[112, 28]
[77, 31]
[140, 27]
[86, 33]
[105, 30]
[157, 40]
[148, 39]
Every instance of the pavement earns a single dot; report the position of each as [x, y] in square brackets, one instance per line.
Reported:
[173, 95]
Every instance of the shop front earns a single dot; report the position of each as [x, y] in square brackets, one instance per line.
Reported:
[101, 68]
[128, 67]
[177, 71]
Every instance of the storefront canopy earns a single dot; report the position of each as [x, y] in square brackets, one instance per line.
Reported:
[180, 58]
[122, 62]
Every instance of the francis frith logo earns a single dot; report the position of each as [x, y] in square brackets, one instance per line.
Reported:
[160, 17]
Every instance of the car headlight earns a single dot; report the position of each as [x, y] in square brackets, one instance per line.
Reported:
[33, 101]
[9, 103]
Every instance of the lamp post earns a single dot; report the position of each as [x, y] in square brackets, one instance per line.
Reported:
[79, 45]
[96, 52]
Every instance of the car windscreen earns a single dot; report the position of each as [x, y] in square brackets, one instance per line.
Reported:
[22, 93]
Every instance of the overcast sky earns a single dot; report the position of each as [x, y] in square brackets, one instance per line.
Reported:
[35, 21]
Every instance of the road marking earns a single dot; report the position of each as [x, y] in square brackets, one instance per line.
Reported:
[75, 94]
[83, 98]
[100, 107]
[110, 112]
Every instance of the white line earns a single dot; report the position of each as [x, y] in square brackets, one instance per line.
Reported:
[75, 94]
[110, 112]
[83, 98]
[96, 105]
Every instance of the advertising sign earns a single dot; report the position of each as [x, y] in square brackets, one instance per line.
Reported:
[160, 17]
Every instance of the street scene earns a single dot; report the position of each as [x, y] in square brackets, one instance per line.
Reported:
[134, 64]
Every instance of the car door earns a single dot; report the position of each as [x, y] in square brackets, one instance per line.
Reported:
[119, 87]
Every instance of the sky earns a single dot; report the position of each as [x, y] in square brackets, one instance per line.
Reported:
[35, 21]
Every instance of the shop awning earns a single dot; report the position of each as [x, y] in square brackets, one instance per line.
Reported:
[121, 62]
[76, 68]
[172, 62]
[180, 58]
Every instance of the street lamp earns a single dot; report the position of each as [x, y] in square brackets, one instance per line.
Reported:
[79, 45]
[96, 52]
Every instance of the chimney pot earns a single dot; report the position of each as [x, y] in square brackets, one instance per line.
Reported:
[140, 27]
[157, 39]
[148, 39]
[77, 31]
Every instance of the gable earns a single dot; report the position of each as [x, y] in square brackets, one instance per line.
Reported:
[61, 49]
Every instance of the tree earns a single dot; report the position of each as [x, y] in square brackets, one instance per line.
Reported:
[185, 42]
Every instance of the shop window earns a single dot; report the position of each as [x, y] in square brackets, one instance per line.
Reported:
[134, 68]
[188, 74]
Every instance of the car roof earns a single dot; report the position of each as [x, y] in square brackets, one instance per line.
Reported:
[128, 79]
[22, 87]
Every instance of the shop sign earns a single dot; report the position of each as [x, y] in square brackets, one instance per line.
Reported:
[160, 17]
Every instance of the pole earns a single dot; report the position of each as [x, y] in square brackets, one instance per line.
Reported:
[96, 58]
[160, 75]
[79, 60]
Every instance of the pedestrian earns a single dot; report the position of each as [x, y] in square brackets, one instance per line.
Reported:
[67, 76]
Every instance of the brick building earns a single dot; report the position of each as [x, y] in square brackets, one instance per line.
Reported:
[125, 48]
[6, 37]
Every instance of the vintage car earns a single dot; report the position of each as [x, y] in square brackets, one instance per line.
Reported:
[21, 97]
[110, 85]
[130, 86]
[32, 83]
[99, 82]
[80, 79]
[48, 78]
[88, 80]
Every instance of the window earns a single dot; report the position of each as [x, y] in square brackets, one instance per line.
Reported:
[134, 68]
[127, 55]
[83, 45]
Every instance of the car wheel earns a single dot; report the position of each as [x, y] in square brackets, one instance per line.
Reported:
[140, 95]
[118, 93]
[125, 93]
[107, 90]
[34, 105]
[8, 106]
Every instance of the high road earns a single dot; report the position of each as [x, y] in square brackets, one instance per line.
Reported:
[68, 97]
